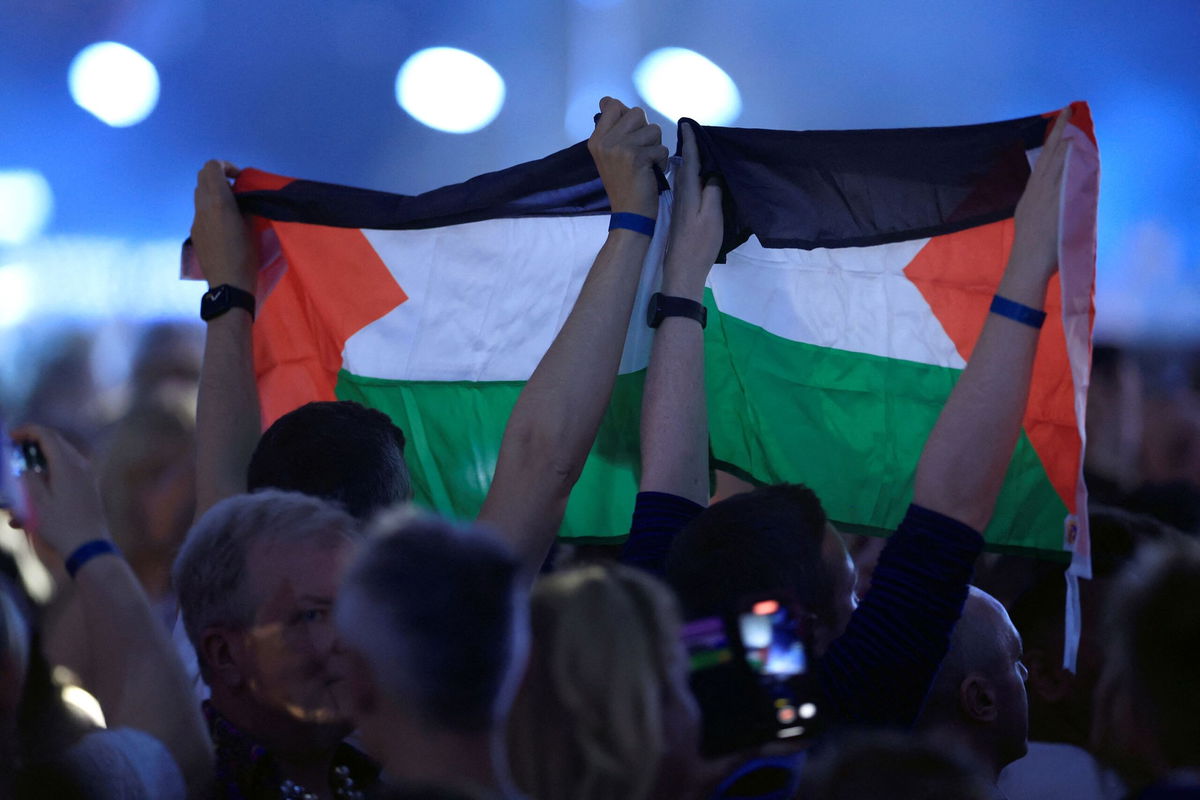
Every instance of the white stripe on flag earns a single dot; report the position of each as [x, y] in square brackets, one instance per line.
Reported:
[486, 299]
[851, 298]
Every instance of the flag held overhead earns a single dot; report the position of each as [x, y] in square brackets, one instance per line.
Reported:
[858, 269]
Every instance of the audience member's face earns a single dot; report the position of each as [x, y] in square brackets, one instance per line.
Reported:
[294, 659]
[1008, 676]
[841, 569]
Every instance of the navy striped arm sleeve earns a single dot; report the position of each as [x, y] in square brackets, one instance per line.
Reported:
[657, 518]
[880, 669]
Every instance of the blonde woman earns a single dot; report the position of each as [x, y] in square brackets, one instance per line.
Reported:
[604, 712]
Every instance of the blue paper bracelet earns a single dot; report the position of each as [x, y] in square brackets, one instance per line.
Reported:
[1016, 311]
[633, 222]
[87, 551]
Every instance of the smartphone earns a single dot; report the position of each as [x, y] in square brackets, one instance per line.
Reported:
[751, 674]
[19, 458]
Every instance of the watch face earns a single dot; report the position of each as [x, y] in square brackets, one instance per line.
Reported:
[214, 303]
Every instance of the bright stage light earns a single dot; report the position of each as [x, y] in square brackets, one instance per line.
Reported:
[450, 90]
[26, 203]
[677, 82]
[114, 82]
[16, 294]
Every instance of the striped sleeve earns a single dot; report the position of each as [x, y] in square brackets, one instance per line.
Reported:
[880, 669]
[658, 518]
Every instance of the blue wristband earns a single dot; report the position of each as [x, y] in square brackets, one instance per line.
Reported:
[633, 222]
[1018, 312]
[87, 551]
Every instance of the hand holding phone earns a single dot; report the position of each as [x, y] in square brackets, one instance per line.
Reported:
[751, 675]
[63, 505]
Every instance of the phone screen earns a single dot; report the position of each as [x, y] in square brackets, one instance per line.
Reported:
[772, 641]
[750, 674]
[16, 458]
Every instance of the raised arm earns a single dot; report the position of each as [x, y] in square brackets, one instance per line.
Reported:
[962, 467]
[555, 420]
[228, 418]
[138, 677]
[674, 433]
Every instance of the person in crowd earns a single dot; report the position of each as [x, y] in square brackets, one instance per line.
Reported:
[555, 419]
[1060, 700]
[145, 467]
[256, 580]
[978, 697]
[547, 439]
[875, 663]
[1176, 503]
[143, 449]
[1116, 394]
[888, 764]
[1147, 720]
[337, 450]
[604, 712]
[434, 616]
[155, 745]
[38, 728]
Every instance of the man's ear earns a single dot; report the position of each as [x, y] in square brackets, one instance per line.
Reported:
[223, 654]
[363, 691]
[1047, 678]
[977, 698]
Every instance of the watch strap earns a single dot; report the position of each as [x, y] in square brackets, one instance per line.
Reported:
[662, 306]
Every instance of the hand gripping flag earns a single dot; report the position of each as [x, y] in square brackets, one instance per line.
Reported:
[857, 271]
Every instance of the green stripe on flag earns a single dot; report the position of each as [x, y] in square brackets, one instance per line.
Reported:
[454, 430]
[850, 426]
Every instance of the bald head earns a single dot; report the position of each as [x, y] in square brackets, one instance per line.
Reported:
[979, 692]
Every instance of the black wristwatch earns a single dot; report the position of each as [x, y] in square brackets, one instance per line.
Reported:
[219, 299]
[663, 306]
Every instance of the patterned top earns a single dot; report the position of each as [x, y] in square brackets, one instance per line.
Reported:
[246, 771]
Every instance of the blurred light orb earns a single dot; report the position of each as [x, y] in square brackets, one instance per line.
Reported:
[115, 83]
[677, 82]
[26, 203]
[450, 90]
[16, 294]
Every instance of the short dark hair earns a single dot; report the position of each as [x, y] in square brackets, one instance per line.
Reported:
[437, 609]
[335, 450]
[762, 541]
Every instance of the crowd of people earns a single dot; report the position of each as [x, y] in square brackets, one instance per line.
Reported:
[248, 614]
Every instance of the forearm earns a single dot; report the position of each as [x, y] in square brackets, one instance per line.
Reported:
[556, 417]
[966, 456]
[139, 679]
[228, 419]
[674, 427]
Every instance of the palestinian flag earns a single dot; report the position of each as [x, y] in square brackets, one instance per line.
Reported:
[858, 269]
